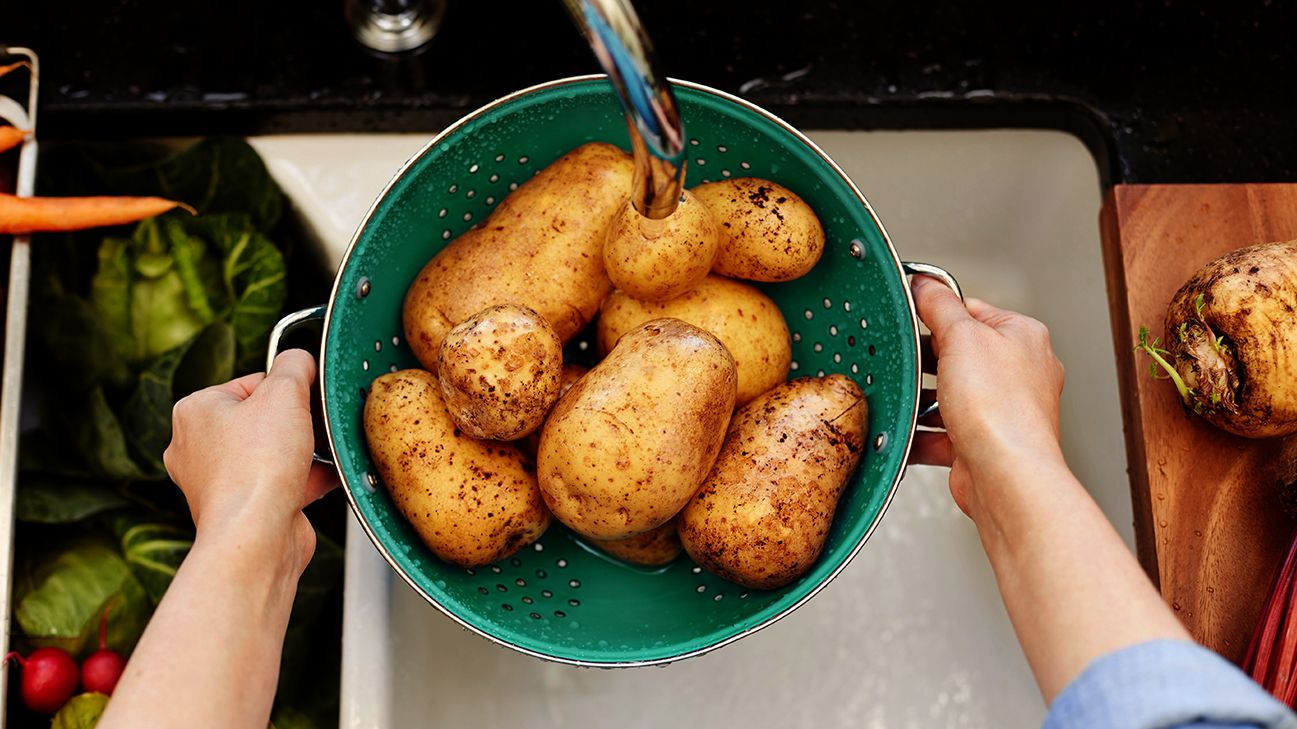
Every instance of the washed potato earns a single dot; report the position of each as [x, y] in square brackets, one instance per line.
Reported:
[471, 501]
[657, 260]
[499, 372]
[767, 232]
[566, 379]
[541, 248]
[653, 548]
[763, 513]
[628, 445]
[746, 321]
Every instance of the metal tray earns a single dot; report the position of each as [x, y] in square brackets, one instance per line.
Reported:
[22, 116]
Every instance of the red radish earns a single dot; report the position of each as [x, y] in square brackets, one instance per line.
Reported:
[49, 679]
[103, 668]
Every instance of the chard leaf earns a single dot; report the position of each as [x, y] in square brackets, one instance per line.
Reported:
[207, 359]
[46, 499]
[72, 589]
[80, 712]
[153, 549]
[143, 315]
[98, 437]
[217, 175]
[252, 280]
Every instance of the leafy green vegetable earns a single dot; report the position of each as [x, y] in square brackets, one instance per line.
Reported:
[72, 589]
[318, 579]
[80, 712]
[207, 359]
[292, 719]
[252, 280]
[97, 436]
[218, 175]
[153, 549]
[313, 589]
[143, 298]
[48, 499]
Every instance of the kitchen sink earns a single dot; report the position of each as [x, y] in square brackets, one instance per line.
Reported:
[912, 633]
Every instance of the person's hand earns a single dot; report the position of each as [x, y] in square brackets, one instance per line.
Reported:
[998, 383]
[241, 452]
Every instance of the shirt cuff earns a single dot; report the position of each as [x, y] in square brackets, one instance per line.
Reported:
[1163, 684]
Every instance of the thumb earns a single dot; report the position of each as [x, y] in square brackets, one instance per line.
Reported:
[937, 305]
[291, 373]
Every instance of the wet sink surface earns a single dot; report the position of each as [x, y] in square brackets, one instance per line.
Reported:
[913, 633]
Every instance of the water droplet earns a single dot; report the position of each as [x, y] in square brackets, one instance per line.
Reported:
[574, 584]
[702, 588]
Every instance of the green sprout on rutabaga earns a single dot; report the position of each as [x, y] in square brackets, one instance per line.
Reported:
[1181, 331]
[1153, 351]
[1197, 305]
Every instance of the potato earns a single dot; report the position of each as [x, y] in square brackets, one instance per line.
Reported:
[658, 260]
[541, 248]
[763, 513]
[1231, 341]
[653, 548]
[566, 379]
[768, 233]
[472, 502]
[746, 321]
[499, 372]
[628, 445]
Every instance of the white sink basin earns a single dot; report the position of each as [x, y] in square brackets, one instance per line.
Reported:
[913, 633]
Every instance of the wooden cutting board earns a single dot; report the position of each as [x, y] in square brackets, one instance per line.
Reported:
[1208, 526]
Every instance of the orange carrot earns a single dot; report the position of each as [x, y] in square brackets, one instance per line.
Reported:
[45, 214]
[13, 66]
[11, 137]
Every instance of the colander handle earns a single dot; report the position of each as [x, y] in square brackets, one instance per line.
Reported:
[652, 116]
[913, 268]
[286, 325]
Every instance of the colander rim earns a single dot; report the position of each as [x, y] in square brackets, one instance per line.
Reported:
[347, 487]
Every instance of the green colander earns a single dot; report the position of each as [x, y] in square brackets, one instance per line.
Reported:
[559, 599]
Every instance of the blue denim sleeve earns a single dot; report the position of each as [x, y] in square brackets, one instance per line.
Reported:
[1166, 684]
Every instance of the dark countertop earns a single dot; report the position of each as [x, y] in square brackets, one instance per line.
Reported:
[1168, 91]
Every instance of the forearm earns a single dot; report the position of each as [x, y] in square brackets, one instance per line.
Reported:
[1071, 587]
[210, 655]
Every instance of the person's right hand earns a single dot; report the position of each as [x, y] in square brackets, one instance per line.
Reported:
[998, 383]
[241, 452]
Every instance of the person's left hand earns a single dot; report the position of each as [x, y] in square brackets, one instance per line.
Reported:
[241, 452]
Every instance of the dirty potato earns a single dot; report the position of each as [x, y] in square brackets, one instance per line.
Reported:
[767, 232]
[653, 548]
[746, 321]
[472, 502]
[764, 511]
[628, 445]
[658, 260]
[541, 248]
[499, 372]
[566, 379]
